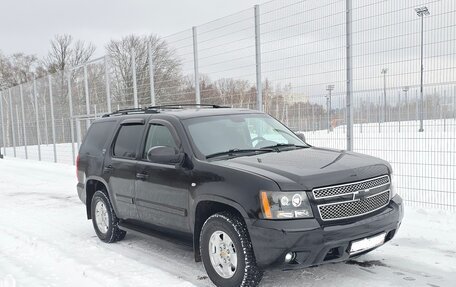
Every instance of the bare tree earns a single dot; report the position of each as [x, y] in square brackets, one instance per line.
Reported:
[65, 52]
[18, 69]
[235, 92]
[167, 69]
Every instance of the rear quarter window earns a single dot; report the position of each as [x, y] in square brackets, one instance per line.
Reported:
[97, 136]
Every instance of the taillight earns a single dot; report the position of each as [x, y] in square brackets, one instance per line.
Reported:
[77, 166]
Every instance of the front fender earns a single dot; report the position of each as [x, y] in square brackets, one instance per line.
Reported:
[218, 199]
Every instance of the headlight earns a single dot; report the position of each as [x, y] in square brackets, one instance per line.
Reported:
[285, 205]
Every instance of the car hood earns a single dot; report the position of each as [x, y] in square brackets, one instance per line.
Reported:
[308, 168]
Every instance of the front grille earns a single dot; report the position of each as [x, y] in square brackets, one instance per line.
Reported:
[343, 189]
[348, 209]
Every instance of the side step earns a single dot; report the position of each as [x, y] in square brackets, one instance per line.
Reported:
[146, 232]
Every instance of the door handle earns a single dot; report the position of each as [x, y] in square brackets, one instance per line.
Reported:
[142, 176]
[108, 169]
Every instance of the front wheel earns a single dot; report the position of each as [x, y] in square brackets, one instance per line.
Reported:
[104, 219]
[227, 252]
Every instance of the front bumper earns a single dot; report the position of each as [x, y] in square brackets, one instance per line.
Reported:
[316, 244]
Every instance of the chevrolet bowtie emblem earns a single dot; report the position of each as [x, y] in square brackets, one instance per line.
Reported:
[360, 194]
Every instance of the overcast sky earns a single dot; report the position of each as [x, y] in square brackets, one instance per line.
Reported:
[28, 25]
[302, 42]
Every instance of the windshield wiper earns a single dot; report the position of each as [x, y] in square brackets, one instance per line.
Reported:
[237, 151]
[278, 147]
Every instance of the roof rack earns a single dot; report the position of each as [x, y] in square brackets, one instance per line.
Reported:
[156, 109]
[177, 106]
[124, 112]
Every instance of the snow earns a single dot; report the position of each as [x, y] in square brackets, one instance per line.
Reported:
[45, 240]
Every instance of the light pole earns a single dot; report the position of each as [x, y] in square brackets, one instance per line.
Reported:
[329, 88]
[384, 72]
[421, 12]
[405, 90]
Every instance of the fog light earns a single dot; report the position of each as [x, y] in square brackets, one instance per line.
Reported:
[290, 256]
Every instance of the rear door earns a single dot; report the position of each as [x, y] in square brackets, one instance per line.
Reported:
[121, 166]
[162, 190]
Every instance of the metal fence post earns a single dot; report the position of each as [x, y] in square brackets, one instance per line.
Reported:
[3, 124]
[70, 101]
[87, 97]
[196, 66]
[24, 130]
[349, 76]
[400, 110]
[18, 126]
[133, 72]
[151, 74]
[421, 78]
[13, 133]
[38, 137]
[51, 102]
[107, 83]
[384, 72]
[78, 133]
[46, 129]
[259, 84]
[63, 130]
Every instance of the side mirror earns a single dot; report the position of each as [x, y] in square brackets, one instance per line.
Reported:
[301, 136]
[165, 155]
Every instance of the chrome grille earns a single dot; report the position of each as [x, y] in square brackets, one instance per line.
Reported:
[348, 209]
[342, 189]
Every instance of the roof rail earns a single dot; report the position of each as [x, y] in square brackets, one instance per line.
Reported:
[125, 112]
[179, 106]
[156, 109]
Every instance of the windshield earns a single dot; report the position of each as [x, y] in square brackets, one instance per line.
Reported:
[218, 134]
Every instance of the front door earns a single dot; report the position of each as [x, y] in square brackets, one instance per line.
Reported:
[162, 189]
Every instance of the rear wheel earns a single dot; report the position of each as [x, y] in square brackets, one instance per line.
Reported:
[104, 219]
[227, 252]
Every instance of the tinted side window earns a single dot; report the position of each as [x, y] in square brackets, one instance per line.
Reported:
[158, 135]
[96, 137]
[127, 141]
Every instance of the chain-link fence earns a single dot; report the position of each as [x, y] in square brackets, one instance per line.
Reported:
[372, 76]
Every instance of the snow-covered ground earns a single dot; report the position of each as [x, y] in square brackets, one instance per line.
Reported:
[45, 240]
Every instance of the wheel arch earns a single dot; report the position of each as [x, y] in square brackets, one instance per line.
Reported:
[94, 183]
[206, 206]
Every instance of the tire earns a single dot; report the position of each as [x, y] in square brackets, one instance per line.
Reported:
[215, 229]
[108, 231]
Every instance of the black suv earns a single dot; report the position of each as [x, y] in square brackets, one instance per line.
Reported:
[245, 189]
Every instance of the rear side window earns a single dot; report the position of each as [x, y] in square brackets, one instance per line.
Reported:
[96, 137]
[127, 141]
